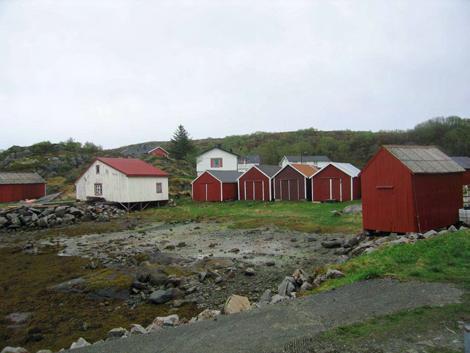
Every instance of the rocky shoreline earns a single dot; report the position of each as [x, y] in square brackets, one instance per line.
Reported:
[36, 217]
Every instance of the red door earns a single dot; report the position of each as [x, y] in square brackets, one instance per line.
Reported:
[258, 190]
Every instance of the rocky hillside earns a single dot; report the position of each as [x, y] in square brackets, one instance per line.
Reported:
[61, 163]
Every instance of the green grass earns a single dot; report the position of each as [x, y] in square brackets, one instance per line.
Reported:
[301, 216]
[444, 258]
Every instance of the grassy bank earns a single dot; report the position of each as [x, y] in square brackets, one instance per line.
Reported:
[444, 258]
[301, 216]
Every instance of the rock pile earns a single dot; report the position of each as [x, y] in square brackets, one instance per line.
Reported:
[26, 217]
[364, 244]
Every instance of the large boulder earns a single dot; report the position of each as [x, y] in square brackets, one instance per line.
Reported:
[330, 244]
[60, 211]
[286, 287]
[3, 221]
[117, 332]
[236, 303]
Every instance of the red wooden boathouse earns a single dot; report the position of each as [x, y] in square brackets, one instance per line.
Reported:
[292, 183]
[21, 186]
[410, 189]
[216, 185]
[159, 152]
[336, 182]
[256, 183]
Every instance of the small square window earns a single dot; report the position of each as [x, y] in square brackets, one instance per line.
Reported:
[159, 188]
[98, 189]
[97, 169]
[216, 162]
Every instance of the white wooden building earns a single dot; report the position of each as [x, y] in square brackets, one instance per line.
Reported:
[122, 180]
[216, 158]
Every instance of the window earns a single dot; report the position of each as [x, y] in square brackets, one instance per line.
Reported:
[97, 169]
[98, 189]
[216, 162]
[159, 188]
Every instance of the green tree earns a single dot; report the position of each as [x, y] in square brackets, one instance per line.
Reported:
[181, 145]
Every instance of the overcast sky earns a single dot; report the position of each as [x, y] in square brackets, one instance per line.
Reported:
[116, 72]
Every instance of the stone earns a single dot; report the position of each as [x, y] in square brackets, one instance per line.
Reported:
[9, 349]
[332, 274]
[353, 209]
[170, 320]
[452, 229]
[80, 343]
[42, 222]
[463, 228]
[181, 244]
[306, 286]
[60, 211]
[266, 297]
[76, 212]
[236, 303]
[234, 250]
[429, 234]
[278, 298]
[3, 221]
[163, 296]
[207, 314]
[329, 244]
[44, 351]
[270, 263]
[18, 318]
[157, 278]
[202, 276]
[300, 276]
[68, 218]
[336, 213]
[117, 332]
[286, 287]
[137, 329]
[249, 271]
[170, 247]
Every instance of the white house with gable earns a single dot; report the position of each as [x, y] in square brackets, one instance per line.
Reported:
[122, 180]
[216, 158]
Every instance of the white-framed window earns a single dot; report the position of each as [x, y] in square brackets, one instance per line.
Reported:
[216, 163]
[97, 169]
[159, 188]
[98, 189]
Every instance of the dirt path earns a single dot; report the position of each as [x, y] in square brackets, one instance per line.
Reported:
[269, 328]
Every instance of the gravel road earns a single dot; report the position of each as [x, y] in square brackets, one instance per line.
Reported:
[269, 328]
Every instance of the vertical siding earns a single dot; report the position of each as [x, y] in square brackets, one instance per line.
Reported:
[289, 184]
[230, 191]
[252, 184]
[18, 192]
[438, 198]
[466, 178]
[387, 197]
[340, 182]
[199, 188]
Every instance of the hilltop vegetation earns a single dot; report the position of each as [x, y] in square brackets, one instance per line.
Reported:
[60, 163]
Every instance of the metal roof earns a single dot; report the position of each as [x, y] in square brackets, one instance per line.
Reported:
[424, 159]
[20, 178]
[250, 159]
[347, 168]
[313, 159]
[226, 176]
[218, 147]
[269, 170]
[464, 162]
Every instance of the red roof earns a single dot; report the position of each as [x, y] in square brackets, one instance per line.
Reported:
[132, 167]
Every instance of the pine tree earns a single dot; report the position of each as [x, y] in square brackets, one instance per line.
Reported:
[180, 145]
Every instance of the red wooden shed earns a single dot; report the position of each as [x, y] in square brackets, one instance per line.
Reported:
[216, 185]
[256, 183]
[21, 186]
[336, 182]
[159, 152]
[410, 189]
[292, 182]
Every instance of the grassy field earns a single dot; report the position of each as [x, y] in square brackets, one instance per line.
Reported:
[444, 258]
[301, 216]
